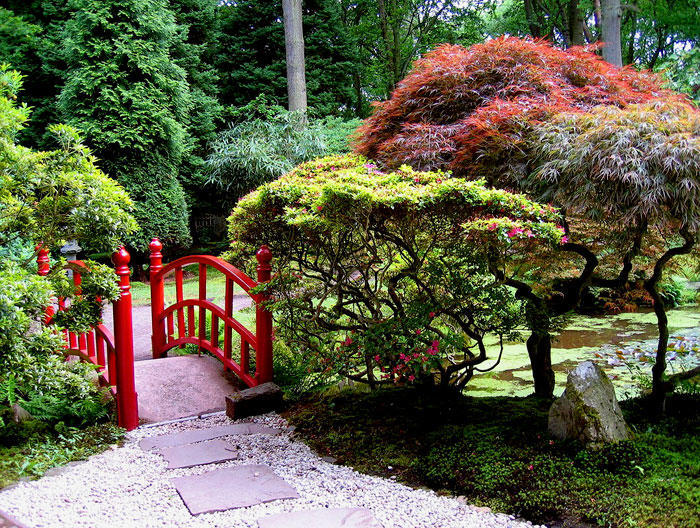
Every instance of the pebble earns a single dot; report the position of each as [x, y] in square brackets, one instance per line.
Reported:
[128, 487]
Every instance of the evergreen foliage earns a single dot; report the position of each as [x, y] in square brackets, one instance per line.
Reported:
[131, 101]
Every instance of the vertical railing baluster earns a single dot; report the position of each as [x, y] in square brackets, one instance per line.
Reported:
[179, 297]
[228, 310]
[202, 297]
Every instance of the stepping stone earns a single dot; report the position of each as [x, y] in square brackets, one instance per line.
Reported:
[199, 435]
[191, 455]
[7, 521]
[235, 487]
[325, 518]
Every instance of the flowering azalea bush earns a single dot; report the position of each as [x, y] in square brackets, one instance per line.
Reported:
[385, 275]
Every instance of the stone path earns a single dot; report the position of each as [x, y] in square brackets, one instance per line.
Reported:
[214, 472]
[181, 386]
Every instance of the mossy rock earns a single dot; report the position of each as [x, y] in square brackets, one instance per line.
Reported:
[588, 410]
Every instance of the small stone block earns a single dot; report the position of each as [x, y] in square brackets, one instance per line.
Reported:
[253, 401]
[325, 518]
[199, 435]
[191, 455]
[235, 487]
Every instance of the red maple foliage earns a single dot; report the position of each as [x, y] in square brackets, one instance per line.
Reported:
[468, 109]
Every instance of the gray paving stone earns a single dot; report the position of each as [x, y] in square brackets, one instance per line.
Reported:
[325, 518]
[199, 435]
[7, 521]
[235, 487]
[190, 455]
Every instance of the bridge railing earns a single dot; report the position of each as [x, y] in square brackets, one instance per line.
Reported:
[198, 320]
[113, 355]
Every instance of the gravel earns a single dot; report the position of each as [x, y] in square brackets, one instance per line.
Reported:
[125, 487]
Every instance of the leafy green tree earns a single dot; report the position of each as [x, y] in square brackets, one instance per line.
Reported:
[194, 50]
[132, 101]
[30, 41]
[47, 197]
[251, 60]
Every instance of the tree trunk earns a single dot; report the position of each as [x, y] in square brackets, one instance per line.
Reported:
[657, 371]
[296, 64]
[611, 15]
[575, 24]
[539, 348]
[390, 38]
[535, 29]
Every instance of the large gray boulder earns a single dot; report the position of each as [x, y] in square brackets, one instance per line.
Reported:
[588, 409]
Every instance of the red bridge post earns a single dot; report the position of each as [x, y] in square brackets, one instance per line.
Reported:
[127, 399]
[263, 320]
[157, 299]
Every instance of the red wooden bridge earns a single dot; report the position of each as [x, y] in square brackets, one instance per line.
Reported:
[196, 321]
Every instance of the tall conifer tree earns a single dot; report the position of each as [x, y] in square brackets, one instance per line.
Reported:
[132, 101]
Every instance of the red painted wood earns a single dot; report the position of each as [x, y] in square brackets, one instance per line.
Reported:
[180, 297]
[127, 399]
[202, 297]
[157, 299]
[196, 333]
[263, 320]
[228, 310]
[190, 321]
[215, 310]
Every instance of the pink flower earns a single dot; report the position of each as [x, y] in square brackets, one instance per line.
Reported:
[377, 358]
[431, 314]
[435, 344]
[417, 180]
[418, 331]
[438, 181]
[411, 377]
[515, 231]
[492, 227]
[348, 341]
[319, 207]
[530, 467]
[551, 442]
[564, 239]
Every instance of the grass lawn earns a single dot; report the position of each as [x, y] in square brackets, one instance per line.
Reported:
[496, 451]
[40, 451]
[216, 287]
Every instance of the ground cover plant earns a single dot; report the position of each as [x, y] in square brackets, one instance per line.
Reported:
[613, 148]
[383, 275]
[496, 452]
[41, 449]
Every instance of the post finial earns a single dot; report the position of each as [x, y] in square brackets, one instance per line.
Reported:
[121, 258]
[155, 246]
[264, 255]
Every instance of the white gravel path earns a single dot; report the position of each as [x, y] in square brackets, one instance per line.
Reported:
[127, 487]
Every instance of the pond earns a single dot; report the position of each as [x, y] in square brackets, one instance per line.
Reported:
[624, 345]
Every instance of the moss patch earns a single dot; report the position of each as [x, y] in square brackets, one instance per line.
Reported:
[496, 451]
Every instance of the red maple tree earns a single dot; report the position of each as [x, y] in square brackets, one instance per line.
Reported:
[468, 109]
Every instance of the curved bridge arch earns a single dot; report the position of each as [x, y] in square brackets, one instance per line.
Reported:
[201, 322]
